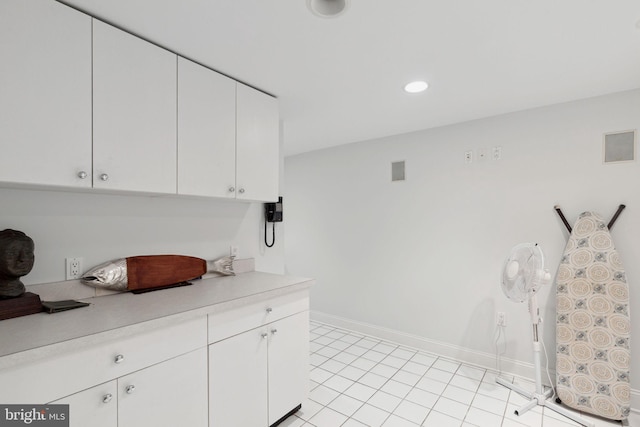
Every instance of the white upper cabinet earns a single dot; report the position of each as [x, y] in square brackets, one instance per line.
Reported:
[45, 94]
[257, 145]
[84, 104]
[134, 113]
[206, 131]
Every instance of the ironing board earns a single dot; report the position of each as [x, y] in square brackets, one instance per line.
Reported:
[593, 325]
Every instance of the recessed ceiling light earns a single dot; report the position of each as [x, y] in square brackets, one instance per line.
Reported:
[416, 87]
[327, 8]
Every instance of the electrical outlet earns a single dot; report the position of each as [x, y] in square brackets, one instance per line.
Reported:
[74, 268]
[501, 318]
[468, 156]
[496, 152]
[233, 251]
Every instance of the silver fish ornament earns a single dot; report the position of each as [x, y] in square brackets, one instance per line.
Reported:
[153, 271]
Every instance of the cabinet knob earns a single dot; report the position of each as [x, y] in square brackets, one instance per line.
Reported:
[269, 310]
[241, 191]
[274, 331]
[232, 189]
[130, 389]
[107, 398]
[104, 177]
[119, 359]
[82, 174]
[264, 335]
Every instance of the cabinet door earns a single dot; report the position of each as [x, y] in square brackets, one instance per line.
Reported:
[45, 82]
[257, 145]
[169, 394]
[238, 381]
[95, 407]
[288, 364]
[134, 113]
[206, 131]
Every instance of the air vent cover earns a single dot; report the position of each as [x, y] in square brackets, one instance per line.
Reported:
[619, 146]
[397, 171]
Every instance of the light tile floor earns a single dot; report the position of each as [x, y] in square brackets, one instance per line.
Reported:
[361, 381]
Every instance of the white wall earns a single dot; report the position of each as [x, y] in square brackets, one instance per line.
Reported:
[424, 257]
[101, 227]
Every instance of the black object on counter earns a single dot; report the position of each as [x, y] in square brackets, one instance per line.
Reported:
[64, 305]
[159, 288]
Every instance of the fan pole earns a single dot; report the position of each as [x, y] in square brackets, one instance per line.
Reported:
[539, 396]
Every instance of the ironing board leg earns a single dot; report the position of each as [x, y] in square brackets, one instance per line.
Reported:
[569, 414]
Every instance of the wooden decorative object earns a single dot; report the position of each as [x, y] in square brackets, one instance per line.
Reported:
[162, 270]
[27, 303]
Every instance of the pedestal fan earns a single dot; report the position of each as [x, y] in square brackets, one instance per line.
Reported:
[522, 276]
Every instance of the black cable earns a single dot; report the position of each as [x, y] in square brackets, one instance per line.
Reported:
[273, 238]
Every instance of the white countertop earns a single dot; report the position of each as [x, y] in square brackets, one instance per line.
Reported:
[110, 317]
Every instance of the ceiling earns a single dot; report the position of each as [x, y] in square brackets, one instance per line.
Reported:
[340, 80]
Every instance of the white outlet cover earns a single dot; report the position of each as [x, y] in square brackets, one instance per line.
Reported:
[468, 156]
[74, 268]
[496, 153]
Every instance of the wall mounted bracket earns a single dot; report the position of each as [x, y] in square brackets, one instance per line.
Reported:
[614, 218]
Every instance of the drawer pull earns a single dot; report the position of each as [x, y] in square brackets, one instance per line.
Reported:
[119, 359]
[130, 389]
[264, 335]
[274, 331]
[107, 398]
[269, 310]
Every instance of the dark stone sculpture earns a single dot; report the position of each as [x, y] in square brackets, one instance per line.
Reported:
[16, 260]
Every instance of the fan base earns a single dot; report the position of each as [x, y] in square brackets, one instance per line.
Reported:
[541, 399]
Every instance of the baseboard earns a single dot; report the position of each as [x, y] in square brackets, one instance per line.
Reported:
[472, 357]
[635, 401]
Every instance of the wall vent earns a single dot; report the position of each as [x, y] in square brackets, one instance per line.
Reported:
[397, 171]
[619, 146]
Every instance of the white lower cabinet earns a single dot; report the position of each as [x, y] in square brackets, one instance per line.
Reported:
[243, 364]
[96, 407]
[288, 364]
[238, 381]
[259, 376]
[171, 393]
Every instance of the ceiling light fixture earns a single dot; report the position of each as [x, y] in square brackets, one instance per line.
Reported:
[327, 8]
[416, 87]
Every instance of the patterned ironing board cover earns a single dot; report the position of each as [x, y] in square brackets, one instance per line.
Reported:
[593, 325]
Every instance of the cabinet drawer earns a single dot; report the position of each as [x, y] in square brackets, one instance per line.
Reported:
[48, 379]
[233, 321]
